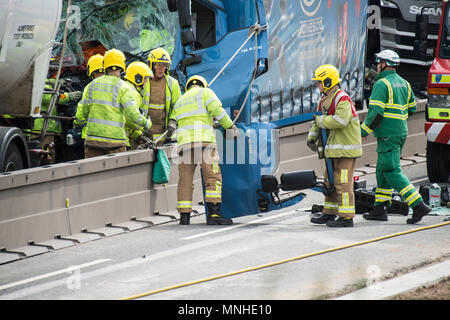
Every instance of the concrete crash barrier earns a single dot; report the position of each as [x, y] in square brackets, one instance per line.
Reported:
[83, 200]
[51, 207]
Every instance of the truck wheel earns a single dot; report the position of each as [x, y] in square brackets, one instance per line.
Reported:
[437, 162]
[172, 5]
[13, 159]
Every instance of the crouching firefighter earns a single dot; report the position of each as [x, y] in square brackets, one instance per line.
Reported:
[343, 146]
[193, 116]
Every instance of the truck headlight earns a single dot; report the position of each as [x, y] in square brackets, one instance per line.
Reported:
[439, 100]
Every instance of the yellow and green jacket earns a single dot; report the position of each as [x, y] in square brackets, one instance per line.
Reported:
[133, 131]
[392, 100]
[339, 117]
[194, 113]
[107, 103]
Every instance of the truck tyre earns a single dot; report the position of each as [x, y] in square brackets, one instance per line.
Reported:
[13, 159]
[437, 162]
[172, 5]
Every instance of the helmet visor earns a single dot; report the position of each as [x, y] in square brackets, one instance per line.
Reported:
[161, 64]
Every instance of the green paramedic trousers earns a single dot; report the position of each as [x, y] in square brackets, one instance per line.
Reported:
[389, 173]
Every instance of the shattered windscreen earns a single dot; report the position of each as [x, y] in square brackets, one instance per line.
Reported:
[133, 26]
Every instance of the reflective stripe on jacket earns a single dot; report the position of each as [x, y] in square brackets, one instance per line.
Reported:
[342, 121]
[194, 113]
[393, 99]
[107, 103]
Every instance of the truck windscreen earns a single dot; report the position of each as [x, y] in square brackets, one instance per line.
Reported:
[134, 27]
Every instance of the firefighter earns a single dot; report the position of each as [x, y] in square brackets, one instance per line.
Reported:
[390, 103]
[343, 146]
[137, 75]
[54, 126]
[160, 93]
[94, 70]
[193, 116]
[108, 102]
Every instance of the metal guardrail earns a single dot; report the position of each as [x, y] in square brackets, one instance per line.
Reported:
[58, 205]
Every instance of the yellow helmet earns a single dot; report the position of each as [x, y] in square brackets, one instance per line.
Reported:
[328, 75]
[196, 80]
[114, 58]
[159, 55]
[137, 71]
[95, 63]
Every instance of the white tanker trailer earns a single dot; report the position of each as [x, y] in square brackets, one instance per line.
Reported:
[27, 36]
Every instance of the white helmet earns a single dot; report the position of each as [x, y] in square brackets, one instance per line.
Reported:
[391, 57]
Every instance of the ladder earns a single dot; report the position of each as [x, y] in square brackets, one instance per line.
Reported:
[56, 86]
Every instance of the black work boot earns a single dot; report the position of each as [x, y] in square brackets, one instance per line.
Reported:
[323, 218]
[419, 211]
[214, 216]
[185, 218]
[379, 212]
[340, 222]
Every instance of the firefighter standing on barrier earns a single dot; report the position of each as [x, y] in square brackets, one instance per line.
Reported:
[160, 93]
[95, 69]
[108, 103]
[137, 75]
[343, 146]
[193, 114]
[390, 103]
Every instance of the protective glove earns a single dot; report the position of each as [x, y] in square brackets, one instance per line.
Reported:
[232, 132]
[171, 127]
[142, 139]
[312, 145]
[75, 95]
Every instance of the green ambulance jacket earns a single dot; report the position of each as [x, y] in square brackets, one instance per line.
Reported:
[392, 100]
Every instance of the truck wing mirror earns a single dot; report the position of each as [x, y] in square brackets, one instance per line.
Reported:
[196, 58]
[184, 13]
[187, 37]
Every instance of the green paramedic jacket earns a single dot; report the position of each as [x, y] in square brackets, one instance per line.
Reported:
[342, 121]
[390, 103]
[107, 104]
[194, 113]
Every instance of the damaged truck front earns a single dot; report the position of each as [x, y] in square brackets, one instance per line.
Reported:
[32, 48]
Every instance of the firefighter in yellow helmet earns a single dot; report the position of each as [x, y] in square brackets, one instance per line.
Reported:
[160, 94]
[197, 145]
[94, 70]
[343, 146]
[137, 75]
[108, 103]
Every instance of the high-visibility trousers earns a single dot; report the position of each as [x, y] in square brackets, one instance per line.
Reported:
[208, 159]
[342, 201]
[389, 173]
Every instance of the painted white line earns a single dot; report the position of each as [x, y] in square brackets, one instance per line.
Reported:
[51, 274]
[239, 225]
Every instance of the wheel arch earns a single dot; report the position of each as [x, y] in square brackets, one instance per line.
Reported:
[14, 135]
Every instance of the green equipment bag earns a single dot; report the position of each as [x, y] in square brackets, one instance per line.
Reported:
[161, 168]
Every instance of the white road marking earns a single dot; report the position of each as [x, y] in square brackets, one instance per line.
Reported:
[51, 274]
[239, 225]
